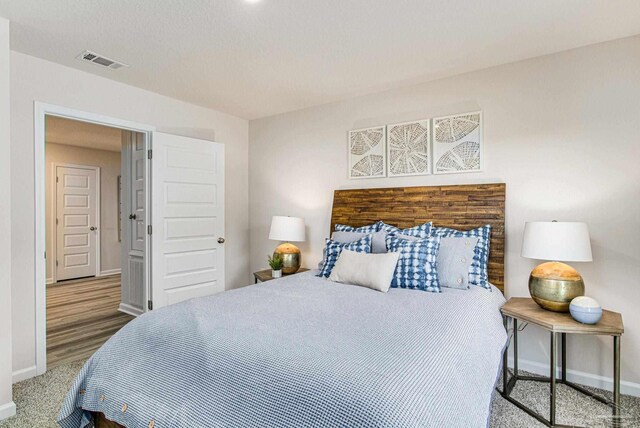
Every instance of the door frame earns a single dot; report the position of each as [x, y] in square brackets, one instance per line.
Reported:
[41, 110]
[54, 213]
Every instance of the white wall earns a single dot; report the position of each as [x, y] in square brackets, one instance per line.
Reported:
[7, 408]
[33, 79]
[109, 163]
[560, 130]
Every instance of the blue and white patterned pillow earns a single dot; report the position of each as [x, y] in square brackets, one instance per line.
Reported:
[478, 271]
[382, 226]
[334, 248]
[416, 266]
[375, 227]
[420, 231]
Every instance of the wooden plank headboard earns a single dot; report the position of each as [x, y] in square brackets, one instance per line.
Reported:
[461, 207]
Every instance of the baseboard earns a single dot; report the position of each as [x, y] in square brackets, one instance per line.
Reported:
[107, 272]
[7, 410]
[131, 310]
[583, 378]
[110, 272]
[24, 374]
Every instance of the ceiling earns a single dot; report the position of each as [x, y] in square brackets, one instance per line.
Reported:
[255, 59]
[82, 134]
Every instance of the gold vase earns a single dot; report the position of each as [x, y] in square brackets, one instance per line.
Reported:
[290, 256]
[554, 285]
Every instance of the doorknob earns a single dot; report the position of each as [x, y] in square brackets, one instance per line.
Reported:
[220, 240]
[93, 228]
[132, 216]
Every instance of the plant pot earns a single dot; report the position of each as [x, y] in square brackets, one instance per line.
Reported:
[276, 273]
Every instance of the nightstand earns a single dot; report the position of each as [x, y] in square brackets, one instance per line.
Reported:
[526, 310]
[265, 275]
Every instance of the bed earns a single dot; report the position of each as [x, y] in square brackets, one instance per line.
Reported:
[302, 351]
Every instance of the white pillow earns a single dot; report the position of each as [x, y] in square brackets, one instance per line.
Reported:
[374, 271]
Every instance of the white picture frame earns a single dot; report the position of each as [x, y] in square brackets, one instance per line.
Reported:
[458, 145]
[367, 152]
[409, 148]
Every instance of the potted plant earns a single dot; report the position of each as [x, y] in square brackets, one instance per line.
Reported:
[276, 263]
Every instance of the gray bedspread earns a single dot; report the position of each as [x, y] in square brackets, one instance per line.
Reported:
[300, 352]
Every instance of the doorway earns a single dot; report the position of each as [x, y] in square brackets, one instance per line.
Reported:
[95, 176]
[184, 253]
[86, 309]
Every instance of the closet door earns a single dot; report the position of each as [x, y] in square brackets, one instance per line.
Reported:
[138, 196]
[133, 212]
[187, 211]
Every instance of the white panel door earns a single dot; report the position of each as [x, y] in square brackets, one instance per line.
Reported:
[138, 159]
[76, 222]
[187, 209]
[134, 165]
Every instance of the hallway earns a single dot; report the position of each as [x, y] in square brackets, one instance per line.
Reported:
[82, 314]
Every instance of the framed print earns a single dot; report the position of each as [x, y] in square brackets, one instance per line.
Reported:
[409, 148]
[367, 154]
[457, 143]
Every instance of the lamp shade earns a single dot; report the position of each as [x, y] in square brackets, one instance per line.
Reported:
[289, 229]
[557, 241]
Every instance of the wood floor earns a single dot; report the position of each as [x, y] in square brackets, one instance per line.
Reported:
[81, 315]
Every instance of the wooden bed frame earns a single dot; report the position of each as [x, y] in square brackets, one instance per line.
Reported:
[460, 207]
[102, 422]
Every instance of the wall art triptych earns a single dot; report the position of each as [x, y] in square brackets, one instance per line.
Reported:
[442, 145]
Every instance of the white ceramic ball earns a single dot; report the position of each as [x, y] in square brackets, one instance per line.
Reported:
[585, 310]
[585, 302]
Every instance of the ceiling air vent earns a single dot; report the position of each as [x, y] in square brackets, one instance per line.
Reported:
[88, 56]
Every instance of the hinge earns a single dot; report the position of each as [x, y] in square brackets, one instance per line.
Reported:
[57, 179]
[149, 230]
[45, 254]
[56, 222]
[149, 305]
[56, 263]
[149, 154]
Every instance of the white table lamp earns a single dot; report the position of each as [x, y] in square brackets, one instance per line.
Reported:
[554, 284]
[288, 229]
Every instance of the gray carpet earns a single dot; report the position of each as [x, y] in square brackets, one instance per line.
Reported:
[39, 399]
[572, 407]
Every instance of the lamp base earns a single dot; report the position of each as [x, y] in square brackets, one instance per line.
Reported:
[554, 285]
[290, 256]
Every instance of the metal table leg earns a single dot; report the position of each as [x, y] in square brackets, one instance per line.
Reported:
[616, 381]
[505, 356]
[552, 381]
[563, 337]
[515, 347]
